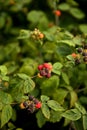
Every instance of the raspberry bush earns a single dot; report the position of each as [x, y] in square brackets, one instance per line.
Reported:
[43, 66]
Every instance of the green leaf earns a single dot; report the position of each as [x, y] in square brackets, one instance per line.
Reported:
[29, 84]
[49, 36]
[83, 28]
[14, 115]
[72, 2]
[23, 76]
[57, 68]
[80, 108]
[69, 57]
[72, 114]
[73, 99]
[29, 66]
[5, 98]
[55, 116]
[55, 105]
[34, 16]
[64, 49]
[65, 78]
[64, 6]
[60, 95]
[83, 99]
[68, 42]
[44, 98]
[6, 114]
[24, 34]
[1, 106]
[49, 86]
[78, 124]
[11, 126]
[84, 121]
[41, 120]
[77, 13]
[2, 21]
[45, 110]
[3, 69]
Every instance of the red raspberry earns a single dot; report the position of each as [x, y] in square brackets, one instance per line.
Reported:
[40, 67]
[46, 65]
[57, 12]
[38, 105]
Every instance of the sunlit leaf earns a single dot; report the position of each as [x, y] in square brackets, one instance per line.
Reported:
[45, 110]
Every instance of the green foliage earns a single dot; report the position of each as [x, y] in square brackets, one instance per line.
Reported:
[31, 37]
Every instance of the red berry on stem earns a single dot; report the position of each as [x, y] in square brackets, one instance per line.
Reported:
[40, 67]
[38, 105]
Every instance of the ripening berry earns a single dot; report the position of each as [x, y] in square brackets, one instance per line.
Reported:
[57, 12]
[41, 36]
[47, 65]
[38, 105]
[40, 67]
[22, 106]
[74, 55]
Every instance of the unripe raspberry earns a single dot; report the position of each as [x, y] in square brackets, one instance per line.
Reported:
[22, 106]
[41, 35]
[74, 55]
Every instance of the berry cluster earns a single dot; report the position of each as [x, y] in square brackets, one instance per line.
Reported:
[45, 70]
[76, 58]
[81, 55]
[83, 52]
[36, 34]
[31, 105]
